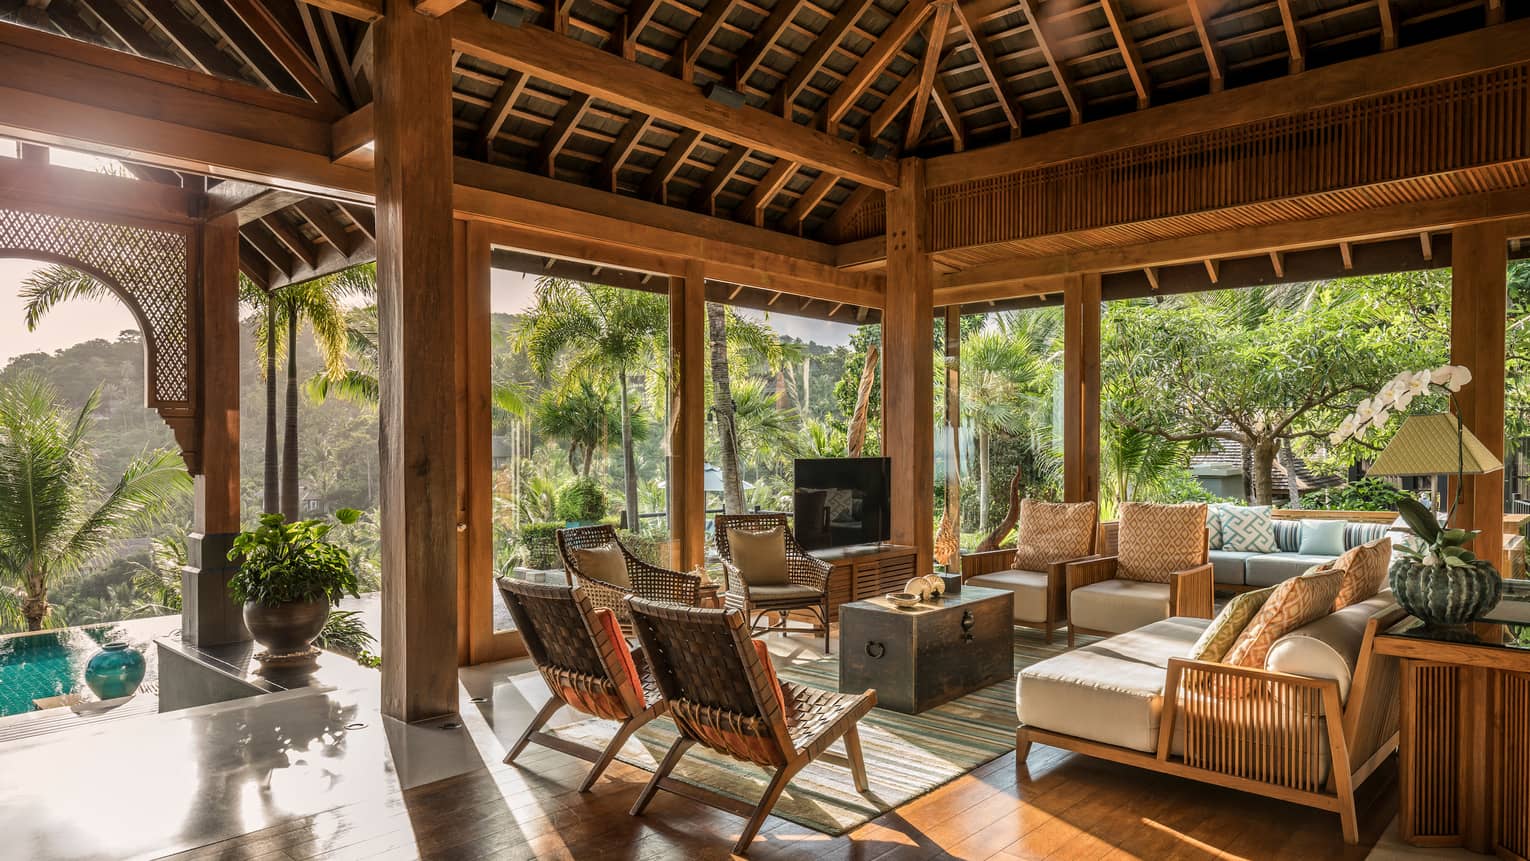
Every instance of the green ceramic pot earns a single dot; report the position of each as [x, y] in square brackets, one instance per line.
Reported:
[1445, 596]
[115, 671]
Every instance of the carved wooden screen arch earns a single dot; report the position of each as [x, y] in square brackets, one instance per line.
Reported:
[148, 267]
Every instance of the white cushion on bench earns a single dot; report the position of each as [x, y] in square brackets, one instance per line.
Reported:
[1030, 588]
[1116, 606]
[1110, 691]
[1330, 647]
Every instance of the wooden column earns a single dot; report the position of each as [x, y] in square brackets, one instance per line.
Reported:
[948, 539]
[475, 447]
[208, 616]
[908, 387]
[1478, 314]
[1081, 387]
[417, 327]
[687, 451]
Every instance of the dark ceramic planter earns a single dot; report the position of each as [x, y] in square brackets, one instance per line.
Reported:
[286, 630]
[1446, 596]
[115, 671]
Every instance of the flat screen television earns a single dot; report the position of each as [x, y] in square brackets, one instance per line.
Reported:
[840, 501]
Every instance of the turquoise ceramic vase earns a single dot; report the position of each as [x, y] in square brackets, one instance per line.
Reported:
[1446, 596]
[115, 671]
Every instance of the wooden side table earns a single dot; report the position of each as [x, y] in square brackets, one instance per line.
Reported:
[1464, 747]
[710, 596]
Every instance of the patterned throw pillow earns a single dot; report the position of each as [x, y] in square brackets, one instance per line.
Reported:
[1296, 602]
[1053, 532]
[1248, 529]
[1214, 525]
[1158, 540]
[1229, 624]
[1365, 569]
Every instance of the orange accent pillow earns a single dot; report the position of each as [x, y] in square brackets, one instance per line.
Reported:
[1155, 541]
[1365, 569]
[1294, 603]
[763, 651]
[1053, 532]
[606, 618]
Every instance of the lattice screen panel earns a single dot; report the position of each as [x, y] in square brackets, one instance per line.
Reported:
[148, 269]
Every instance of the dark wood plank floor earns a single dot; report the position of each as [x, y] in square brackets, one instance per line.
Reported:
[1058, 806]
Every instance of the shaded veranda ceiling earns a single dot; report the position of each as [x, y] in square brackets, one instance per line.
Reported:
[897, 77]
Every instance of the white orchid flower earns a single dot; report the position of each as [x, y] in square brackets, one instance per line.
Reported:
[1364, 412]
[1442, 375]
[1460, 376]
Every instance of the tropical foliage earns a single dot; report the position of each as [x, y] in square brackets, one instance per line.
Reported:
[283, 562]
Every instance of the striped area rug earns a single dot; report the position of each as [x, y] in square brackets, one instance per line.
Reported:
[906, 755]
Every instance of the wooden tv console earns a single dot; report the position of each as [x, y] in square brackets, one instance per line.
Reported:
[866, 571]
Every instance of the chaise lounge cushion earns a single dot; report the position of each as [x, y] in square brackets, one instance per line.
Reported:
[1030, 588]
[1110, 691]
[1272, 569]
[1116, 606]
[1228, 566]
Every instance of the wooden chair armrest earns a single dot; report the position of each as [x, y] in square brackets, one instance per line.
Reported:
[1057, 584]
[1094, 569]
[987, 562]
[1192, 592]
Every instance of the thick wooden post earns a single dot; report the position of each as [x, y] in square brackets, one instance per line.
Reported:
[208, 616]
[1081, 387]
[908, 385]
[1478, 315]
[417, 326]
[475, 441]
[687, 452]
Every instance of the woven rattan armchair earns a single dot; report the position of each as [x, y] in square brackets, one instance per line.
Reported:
[721, 696]
[648, 581]
[582, 664]
[808, 577]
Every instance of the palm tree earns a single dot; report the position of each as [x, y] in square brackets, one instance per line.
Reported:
[279, 314]
[736, 340]
[585, 416]
[1000, 373]
[158, 582]
[54, 518]
[597, 332]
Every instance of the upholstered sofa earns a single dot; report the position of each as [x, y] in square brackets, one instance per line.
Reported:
[1236, 571]
[1308, 727]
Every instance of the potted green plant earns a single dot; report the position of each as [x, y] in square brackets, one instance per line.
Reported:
[582, 502]
[289, 575]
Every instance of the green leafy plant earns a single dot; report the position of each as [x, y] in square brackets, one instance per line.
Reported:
[582, 500]
[344, 632]
[537, 543]
[1367, 494]
[1437, 546]
[290, 563]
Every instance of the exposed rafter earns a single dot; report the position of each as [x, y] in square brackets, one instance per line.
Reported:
[950, 115]
[753, 208]
[1388, 24]
[750, 57]
[656, 186]
[1215, 65]
[626, 142]
[494, 118]
[562, 128]
[893, 105]
[196, 45]
[1130, 56]
[810, 198]
[1047, 41]
[704, 198]
[1294, 39]
[699, 36]
[929, 67]
[990, 65]
[588, 70]
[876, 58]
[813, 59]
[298, 63]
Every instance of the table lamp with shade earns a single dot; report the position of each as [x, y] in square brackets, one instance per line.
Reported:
[1441, 583]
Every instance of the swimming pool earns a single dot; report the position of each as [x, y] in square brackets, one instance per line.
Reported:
[52, 663]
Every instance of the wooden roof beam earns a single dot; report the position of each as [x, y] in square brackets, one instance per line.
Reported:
[639, 13]
[704, 198]
[369, 11]
[436, 8]
[505, 98]
[587, 69]
[950, 115]
[656, 186]
[699, 36]
[764, 39]
[264, 241]
[888, 111]
[189, 39]
[1047, 40]
[813, 58]
[298, 63]
[929, 68]
[562, 129]
[967, 16]
[752, 210]
[871, 64]
[611, 166]
[1120, 29]
[115, 20]
[327, 225]
[1295, 40]
[804, 205]
[1388, 24]
[290, 238]
[1216, 66]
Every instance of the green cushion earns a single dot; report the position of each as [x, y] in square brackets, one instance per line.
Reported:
[1322, 538]
[1225, 628]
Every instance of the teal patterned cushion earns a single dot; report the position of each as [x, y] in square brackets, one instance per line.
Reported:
[1214, 525]
[1248, 529]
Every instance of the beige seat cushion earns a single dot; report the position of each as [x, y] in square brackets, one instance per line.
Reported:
[606, 563]
[1110, 691]
[1158, 540]
[1365, 571]
[1115, 606]
[784, 593]
[1030, 588]
[1053, 532]
[760, 557]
